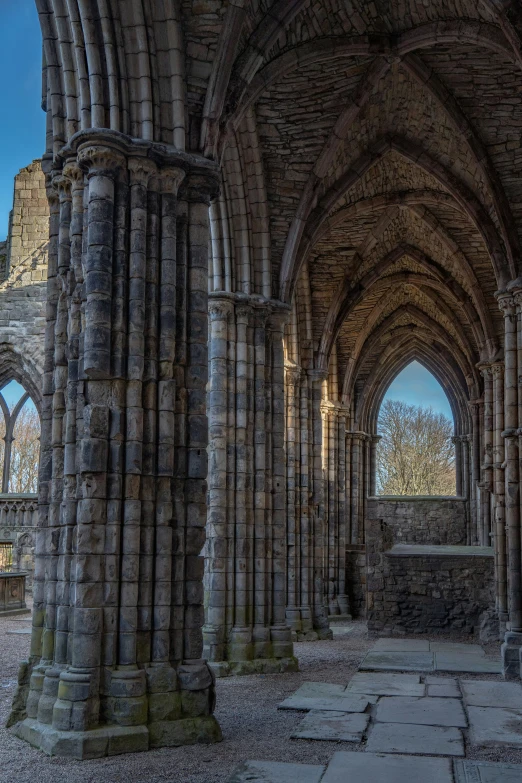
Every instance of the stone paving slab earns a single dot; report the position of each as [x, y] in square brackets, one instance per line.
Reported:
[495, 727]
[337, 703]
[276, 772]
[445, 691]
[409, 738]
[467, 771]
[334, 726]
[457, 647]
[487, 693]
[322, 689]
[401, 645]
[386, 684]
[381, 768]
[398, 661]
[423, 711]
[463, 662]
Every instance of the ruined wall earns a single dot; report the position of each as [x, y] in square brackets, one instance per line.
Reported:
[23, 290]
[422, 520]
[426, 589]
[23, 278]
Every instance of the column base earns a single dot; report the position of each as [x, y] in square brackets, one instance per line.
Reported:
[114, 740]
[301, 624]
[305, 636]
[511, 651]
[255, 666]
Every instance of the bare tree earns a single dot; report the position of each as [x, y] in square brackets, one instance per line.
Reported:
[25, 452]
[415, 455]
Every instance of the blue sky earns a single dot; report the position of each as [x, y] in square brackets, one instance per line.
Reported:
[12, 393]
[22, 129]
[417, 386]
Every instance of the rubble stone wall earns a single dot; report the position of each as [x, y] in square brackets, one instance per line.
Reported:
[23, 281]
[23, 291]
[422, 520]
[426, 589]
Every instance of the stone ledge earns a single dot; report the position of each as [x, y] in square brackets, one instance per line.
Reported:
[442, 550]
[415, 498]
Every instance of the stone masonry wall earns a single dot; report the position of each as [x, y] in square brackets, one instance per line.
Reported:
[422, 520]
[423, 589]
[23, 291]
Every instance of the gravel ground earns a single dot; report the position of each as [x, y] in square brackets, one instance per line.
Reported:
[246, 710]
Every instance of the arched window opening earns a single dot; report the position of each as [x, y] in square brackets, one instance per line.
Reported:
[20, 440]
[416, 447]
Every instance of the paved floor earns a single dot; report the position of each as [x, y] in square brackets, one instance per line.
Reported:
[405, 726]
[419, 655]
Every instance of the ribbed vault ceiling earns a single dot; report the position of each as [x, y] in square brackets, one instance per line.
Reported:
[389, 136]
[370, 152]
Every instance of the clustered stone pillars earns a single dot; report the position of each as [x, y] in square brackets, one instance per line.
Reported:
[507, 426]
[307, 609]
[246, 628]
[116, 652]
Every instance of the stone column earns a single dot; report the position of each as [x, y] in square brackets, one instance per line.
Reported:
[334, 459]
[349, 457]
[342, 597]
[487, 466]
[319, 532]
[466, 484]
[246, 628]
[499, 492]
[459, 485]
[374, 443]
[329, 418]
[220, 561]
[513, 638]
[475, 408]
[280, 635]
[358, 440]
[306, 510]
[293, 613]
[116, 653]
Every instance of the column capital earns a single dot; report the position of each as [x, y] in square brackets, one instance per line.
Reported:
[141, 170]
[358, 435]
[243, 313]
[101, 160]
[170, 178]
[62, 185]
[328, 406]
[219, 309]
[485, 370]
[506, 302]
[74, 174]
[293, 373]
